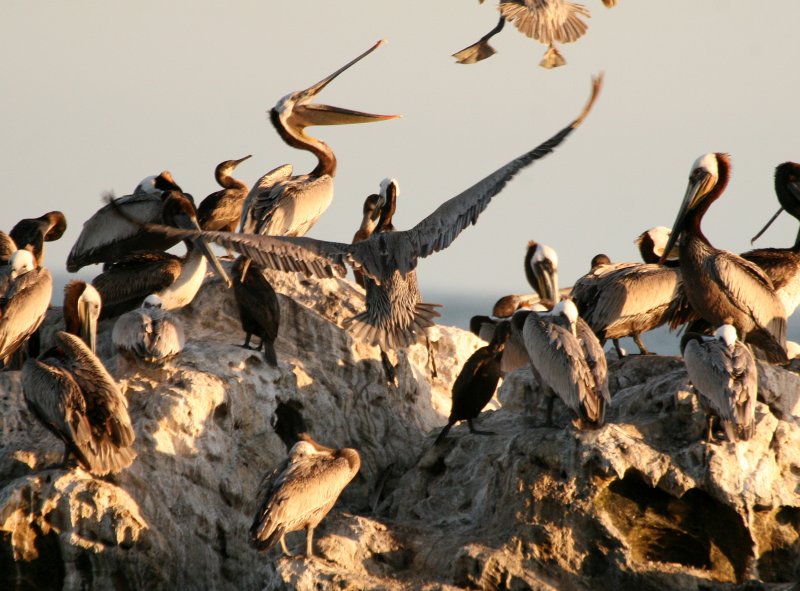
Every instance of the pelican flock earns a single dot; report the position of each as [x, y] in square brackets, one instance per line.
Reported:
[559, 334]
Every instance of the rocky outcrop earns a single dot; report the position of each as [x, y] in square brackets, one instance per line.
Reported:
[642, 503]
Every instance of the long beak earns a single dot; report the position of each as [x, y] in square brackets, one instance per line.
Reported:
[769, 223]
[376, 213]
[240, 160]
[314, 114]
[190, 223]
[693, 192]
[546, 282]
[88, 326]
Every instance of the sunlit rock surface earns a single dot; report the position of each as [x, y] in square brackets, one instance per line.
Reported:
[642, 503]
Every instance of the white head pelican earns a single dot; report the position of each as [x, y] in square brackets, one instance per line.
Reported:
[721, 286]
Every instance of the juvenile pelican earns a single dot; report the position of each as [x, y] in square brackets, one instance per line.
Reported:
[176, 280]
[107, 237]
[222, 210]
[284, 205]
[69, 390]
[82, 305]
[33, 231]
[25, 302]
[568, 360]
[628, 299]
[723, 372]
[782, 265]
[7, 248]
[721, 286]
[259, 310]
[547, 21]
[371, 220]
[300, 493]
[477, 381]
[149, 333]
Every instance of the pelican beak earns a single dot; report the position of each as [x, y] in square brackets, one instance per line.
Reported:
[376, 213]
[189, 222]
[700, 183]
[88, 325]
[306, 115]
[546, 281]
[769, 223]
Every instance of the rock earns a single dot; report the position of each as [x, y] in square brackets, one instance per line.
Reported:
[641, 503]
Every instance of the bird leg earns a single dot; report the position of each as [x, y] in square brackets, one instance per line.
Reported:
[247, 338]
[309, 542]
[551, 398]
[638, 340]
[388, 368]
[472, 429]
[710, 434]
[285, 549]
[431, 357]
[620, 352]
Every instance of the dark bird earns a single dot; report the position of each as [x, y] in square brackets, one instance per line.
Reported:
[46, 228]
[284, 205]
[721, 286]
[288, 422]
[568, 361]
[174, 279]
[259, 310]
[7, 248]
[300, 493]
[782, 265]
[69, 390]
[477, 381]
[370, 221]
[723, 372]
[546, 21]
[82, 305]
[149, 333]
[222, 210]
[107, 237]
[628, 299]
[385, 257]
[24, 303]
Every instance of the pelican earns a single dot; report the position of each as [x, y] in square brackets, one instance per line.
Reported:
[547, 21]
[782, 265]
[175, 280]
[477, 381]
[721, 286]
[628, 299]
[107, 237]
[384, 257]
[222, 210]
[723, 372]
[25, 302]
[372, 213]
[82, 305]
[284, 205]
[33, 231]
[259, 310]
[149, 333]
[7, 248]
[300, 492]
[568, 360]
[73, 395]
[515, 355]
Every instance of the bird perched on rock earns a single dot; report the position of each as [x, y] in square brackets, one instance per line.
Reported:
[149, 333]
[723, 372]
[477, 381]
[222, 210]
[259, 310]
[300, 493]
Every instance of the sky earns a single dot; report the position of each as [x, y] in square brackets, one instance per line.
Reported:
[100, 94]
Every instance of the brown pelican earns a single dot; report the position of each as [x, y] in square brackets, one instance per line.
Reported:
[24, 304]
[7, 248]
[300, 492]
[176, 280]
[385, 257]
[222, 210]
[370, 221]
[284, 205]
[721, 286]
[259, 310]
[782, 265]
[82, 305]
[723, 372]
[547, 21]
[627, 299]
[73, 395]
[107, 237]
[477, 381]
[149, 333]
[568, 360]
[46, 228]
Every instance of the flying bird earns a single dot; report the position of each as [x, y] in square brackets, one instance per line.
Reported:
[723, 372]
[300, 493]
[150, 333]
[721, 286]
[70, 391]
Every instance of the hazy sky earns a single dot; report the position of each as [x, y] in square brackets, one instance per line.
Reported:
[98, 95]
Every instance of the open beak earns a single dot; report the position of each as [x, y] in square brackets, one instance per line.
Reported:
[88, 325]
[694, 192]
[306, 115]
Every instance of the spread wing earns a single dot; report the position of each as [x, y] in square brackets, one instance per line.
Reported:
[546, 20]
[262, 198]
